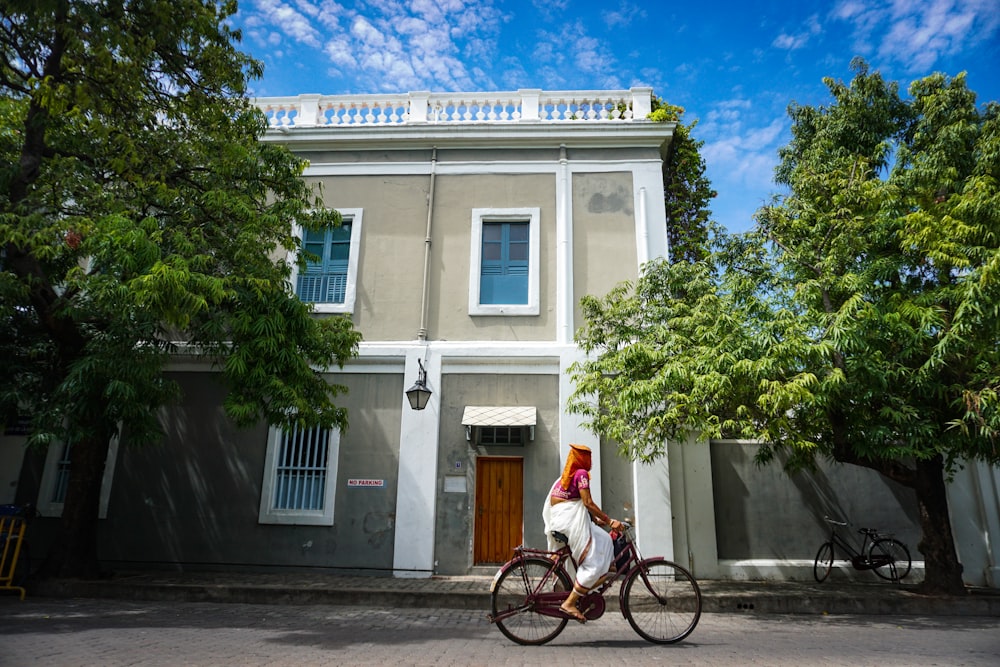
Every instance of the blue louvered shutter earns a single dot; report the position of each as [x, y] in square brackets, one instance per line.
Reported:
[325, 279]
[504, 263]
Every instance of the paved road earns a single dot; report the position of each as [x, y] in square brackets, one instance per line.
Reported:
[108, 633]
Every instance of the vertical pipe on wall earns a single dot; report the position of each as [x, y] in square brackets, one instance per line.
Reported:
[564, 253]
[422, 332]
[642, 229]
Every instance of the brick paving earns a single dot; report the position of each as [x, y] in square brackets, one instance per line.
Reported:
[472, 592]
[92, 632]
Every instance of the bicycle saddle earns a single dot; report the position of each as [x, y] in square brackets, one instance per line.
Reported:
[560, 537]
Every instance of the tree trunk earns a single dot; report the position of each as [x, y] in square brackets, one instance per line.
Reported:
[76, 551]
[943, 572]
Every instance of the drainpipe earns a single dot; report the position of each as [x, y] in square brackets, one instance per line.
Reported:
[643, 230]
[564, 253]
[422, 333]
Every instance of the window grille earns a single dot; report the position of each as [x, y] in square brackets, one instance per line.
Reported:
[501, 435]
[300, 476]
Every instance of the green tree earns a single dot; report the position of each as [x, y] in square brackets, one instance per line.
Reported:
[687, 191]
[142, 216]
[857, 321]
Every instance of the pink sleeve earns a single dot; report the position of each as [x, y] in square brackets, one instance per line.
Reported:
[582, 479]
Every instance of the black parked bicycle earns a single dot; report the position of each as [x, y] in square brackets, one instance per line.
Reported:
[883, 554]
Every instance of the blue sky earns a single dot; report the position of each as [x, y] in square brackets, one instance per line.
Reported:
[734, 66]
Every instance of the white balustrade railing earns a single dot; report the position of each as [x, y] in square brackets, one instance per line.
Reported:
[422, 107]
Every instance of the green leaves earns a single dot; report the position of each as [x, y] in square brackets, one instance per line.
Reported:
[140, 208]
[687, 191]
[859, 320]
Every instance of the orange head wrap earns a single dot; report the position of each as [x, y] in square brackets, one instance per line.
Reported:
[579, 457]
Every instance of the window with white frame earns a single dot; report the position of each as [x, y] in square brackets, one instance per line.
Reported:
[329, 280]
[503, 275]
[300, 475]
[55, 478]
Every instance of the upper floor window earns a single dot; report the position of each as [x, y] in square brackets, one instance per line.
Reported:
[503, 277]
[330, 278]
[300, 475]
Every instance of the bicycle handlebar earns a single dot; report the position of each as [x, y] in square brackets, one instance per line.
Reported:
[834, 521]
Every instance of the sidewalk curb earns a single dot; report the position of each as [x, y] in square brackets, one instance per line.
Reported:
[473, 593]
[253, 594]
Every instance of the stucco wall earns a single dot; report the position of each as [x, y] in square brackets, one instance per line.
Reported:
[454, 199]
[195, 498]
[763, 513]
[390, 268]
[604, 249]
[616, 483]
[455, 518]
[391, 258]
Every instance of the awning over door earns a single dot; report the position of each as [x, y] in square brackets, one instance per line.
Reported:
[499, 415]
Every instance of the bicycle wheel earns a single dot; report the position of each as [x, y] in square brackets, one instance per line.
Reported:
[824, 562]
[510, 593]
[661, 601]
[899, 558]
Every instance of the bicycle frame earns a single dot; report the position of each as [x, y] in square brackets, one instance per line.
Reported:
[592, 605]
[658, 598]
[860, 560]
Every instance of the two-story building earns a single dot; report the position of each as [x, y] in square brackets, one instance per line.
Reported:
[473, 225]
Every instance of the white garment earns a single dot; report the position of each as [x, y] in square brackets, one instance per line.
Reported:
[572, 519]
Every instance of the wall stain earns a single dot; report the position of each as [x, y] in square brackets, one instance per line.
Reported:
[616, 201]
[378, 526]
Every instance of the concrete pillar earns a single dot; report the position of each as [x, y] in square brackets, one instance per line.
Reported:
[416, 490]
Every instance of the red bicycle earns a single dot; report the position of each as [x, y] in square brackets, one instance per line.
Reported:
[660, 599]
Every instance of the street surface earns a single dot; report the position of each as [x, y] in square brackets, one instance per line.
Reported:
[109, 633]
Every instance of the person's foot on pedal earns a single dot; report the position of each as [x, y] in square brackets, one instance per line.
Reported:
[574, 614]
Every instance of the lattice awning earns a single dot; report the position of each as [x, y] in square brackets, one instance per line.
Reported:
[499, 415]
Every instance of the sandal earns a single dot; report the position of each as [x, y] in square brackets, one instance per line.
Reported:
[574, 614]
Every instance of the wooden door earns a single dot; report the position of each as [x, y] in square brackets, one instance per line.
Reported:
[499, 508]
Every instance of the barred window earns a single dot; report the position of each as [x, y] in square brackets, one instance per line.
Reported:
[300, 475]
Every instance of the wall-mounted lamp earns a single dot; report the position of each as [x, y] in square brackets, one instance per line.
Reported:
[418, 395]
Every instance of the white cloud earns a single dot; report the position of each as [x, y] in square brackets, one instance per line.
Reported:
[740, 154]
[574, 59]
[623, 16]
[917, 33]
[549, 8]
[366, 32]
[288, 20]
[742, 172]
[340, 54]
[379, 45]
[790, 42]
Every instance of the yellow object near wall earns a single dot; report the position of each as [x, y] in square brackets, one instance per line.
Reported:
[11, 537]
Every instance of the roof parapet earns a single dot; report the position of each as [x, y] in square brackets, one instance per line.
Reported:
[422, 107]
